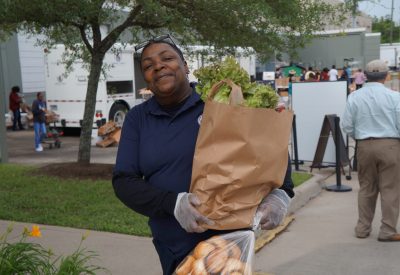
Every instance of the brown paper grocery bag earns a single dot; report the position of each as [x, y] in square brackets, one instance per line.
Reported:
[240, 156]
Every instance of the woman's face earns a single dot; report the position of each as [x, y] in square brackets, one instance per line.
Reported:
[165, 72]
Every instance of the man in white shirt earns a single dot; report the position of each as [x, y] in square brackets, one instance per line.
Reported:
[333, 74]
[372, 117]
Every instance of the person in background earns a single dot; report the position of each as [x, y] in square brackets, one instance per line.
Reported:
[333, 74]
[39, 120]
[278, 73]
[359, 79]
[309, 71]
[318, 76]
[349, 73]
[302, 75]
[152, 174]
[372, 118]
[324, 74]
[312, 77]
[343, 76]
[15, 104]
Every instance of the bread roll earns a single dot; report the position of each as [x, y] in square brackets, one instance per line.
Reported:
[216, 260]
[218, 242]
[186, 266]
[234, 251]
[199, 268]
[233, 265]
[203, 249]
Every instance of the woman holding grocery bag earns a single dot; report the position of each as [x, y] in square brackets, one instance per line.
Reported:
[153, 169]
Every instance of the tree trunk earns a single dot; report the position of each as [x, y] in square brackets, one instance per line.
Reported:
[90, 104]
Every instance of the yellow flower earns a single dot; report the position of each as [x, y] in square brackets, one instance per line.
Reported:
[84, 236]
[35, 231]
[26, 231]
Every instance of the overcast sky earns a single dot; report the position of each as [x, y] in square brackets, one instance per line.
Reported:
[381, 8]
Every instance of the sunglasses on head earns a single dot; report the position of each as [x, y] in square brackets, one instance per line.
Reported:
[165, 38]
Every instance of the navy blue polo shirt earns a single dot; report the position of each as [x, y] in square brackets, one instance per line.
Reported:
[155, 157]
[154, 164]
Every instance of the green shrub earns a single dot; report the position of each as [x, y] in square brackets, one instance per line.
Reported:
[24, 257]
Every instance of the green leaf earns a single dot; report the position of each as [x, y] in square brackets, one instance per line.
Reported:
[255, 95]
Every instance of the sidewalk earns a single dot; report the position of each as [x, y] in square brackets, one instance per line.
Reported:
[21, 149]
[319, 241]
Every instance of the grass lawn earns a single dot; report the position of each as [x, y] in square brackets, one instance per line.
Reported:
[299, 178]
[80, 204]
[73, 203]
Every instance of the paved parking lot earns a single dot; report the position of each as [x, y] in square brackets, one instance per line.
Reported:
[20, 146]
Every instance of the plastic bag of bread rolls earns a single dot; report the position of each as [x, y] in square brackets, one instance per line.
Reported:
[226, 254]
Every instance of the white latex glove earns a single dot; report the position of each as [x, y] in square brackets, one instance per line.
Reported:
[187, 215]
[272, 209]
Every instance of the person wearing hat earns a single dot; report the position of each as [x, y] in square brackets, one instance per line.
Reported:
[372, 118]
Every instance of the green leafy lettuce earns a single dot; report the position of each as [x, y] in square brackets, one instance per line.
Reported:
[255, 95]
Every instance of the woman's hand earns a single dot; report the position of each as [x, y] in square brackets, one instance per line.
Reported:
[187, 215]
[273, 209]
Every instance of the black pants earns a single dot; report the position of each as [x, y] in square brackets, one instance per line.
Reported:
[17, 118]
[169, 260]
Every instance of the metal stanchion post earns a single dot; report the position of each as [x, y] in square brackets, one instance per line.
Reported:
[296, 153]
[338, 187]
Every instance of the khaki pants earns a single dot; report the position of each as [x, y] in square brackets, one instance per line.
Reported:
[378, 172]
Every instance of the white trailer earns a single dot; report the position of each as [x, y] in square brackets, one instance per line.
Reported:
[390, 53]
[117, 92]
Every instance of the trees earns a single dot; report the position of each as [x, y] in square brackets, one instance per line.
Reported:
[384, 25]
[265, 25]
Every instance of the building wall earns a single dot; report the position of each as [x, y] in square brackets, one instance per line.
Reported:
[354, 49]
[372, 43]
[361, 20]
[10, 73]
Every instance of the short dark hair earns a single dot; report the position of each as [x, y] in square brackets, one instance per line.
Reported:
[15, 89]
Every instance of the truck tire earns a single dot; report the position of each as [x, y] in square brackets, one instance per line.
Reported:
[117, 114]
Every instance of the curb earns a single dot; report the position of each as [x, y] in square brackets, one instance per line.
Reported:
[307, 191]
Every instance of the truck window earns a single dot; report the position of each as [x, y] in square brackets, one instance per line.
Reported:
[119, 87]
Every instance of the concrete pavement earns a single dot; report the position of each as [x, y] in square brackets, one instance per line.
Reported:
[319, 241]
[21, 149]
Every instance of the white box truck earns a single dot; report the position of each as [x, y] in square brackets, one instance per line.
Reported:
[117, 92]
[390, 53]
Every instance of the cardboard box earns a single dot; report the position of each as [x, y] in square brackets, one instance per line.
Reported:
[116, 135]
[105, 142]
[107, 128]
